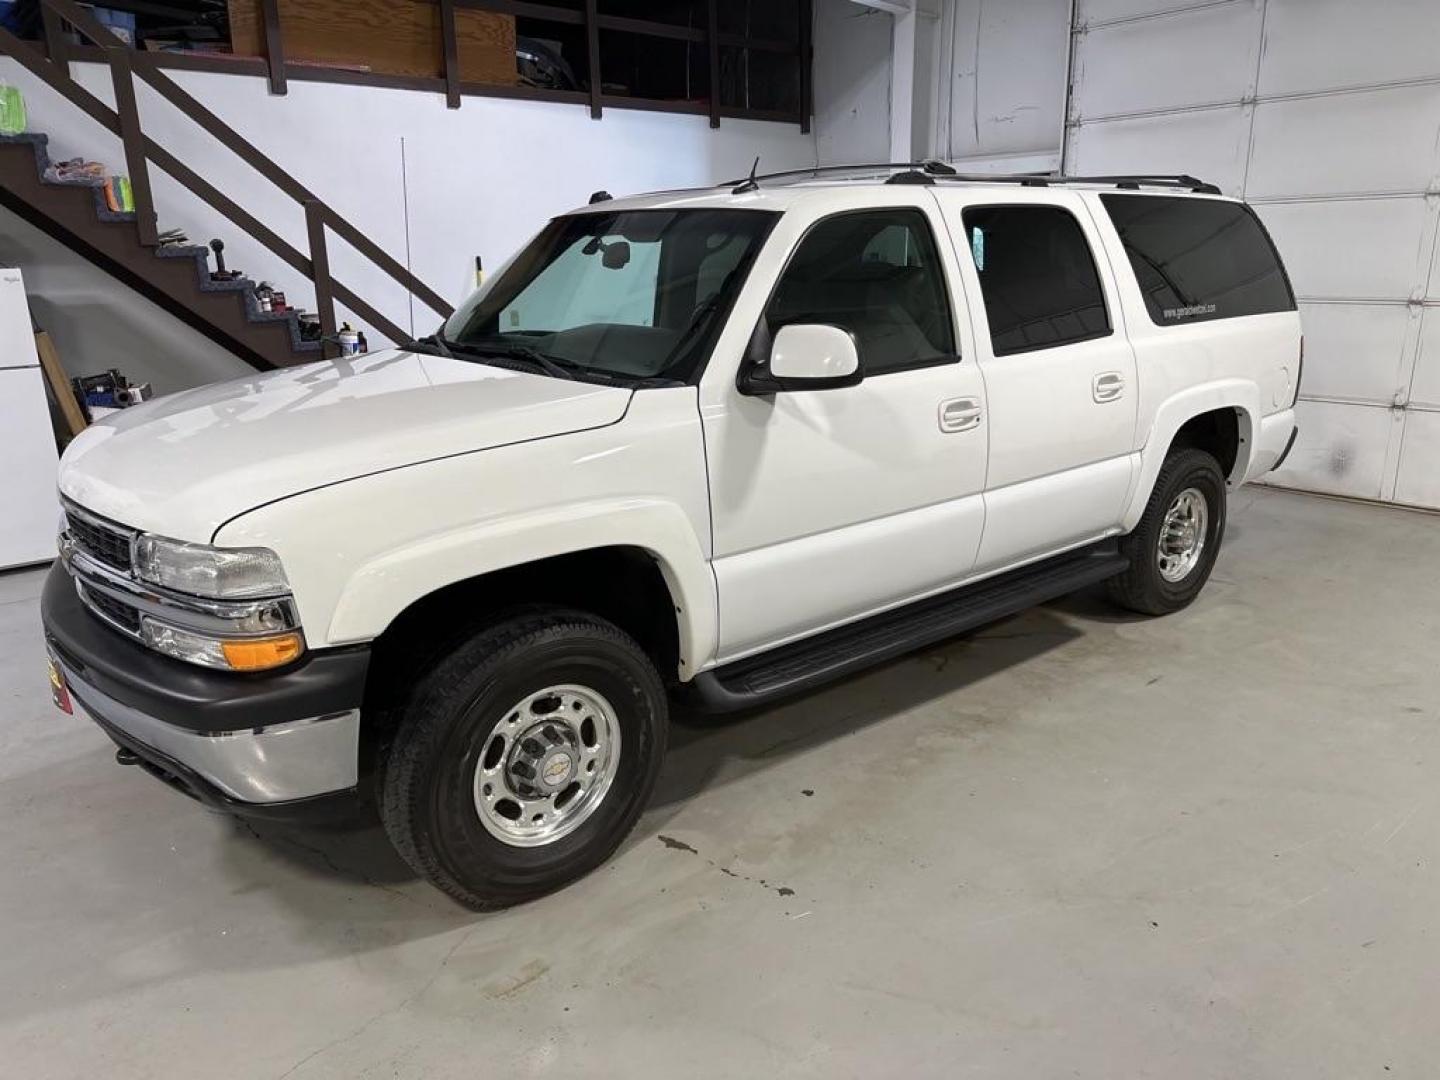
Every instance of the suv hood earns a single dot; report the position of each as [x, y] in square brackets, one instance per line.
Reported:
[184, 464]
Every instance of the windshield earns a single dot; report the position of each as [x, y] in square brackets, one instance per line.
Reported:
[635, 294]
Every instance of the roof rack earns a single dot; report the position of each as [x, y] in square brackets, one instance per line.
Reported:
[928, 172]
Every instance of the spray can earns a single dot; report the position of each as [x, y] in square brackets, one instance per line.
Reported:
[349, 341]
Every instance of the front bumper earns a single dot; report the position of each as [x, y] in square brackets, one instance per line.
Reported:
[266, 743]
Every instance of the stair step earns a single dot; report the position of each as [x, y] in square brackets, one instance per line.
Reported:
[795, 668]
[38, 143]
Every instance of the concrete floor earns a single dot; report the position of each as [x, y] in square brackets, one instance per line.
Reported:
[1077, 844]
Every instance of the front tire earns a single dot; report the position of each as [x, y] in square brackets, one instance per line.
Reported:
[1173, 548]
[524, 757]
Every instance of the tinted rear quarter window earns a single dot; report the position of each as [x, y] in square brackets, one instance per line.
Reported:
[1199, 259]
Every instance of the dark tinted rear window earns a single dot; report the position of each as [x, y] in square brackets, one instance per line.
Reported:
[1037, 276]
[1199, 259]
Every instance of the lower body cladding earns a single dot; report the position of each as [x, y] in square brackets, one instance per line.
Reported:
[1274, 437]
[283, 745]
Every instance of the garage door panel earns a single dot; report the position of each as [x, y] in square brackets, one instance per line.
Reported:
[1356, 351]
[1093, 11]
[1425, 387]
[1341, 450]
[1209, 144]
[1418, 481]
[1134, 66]
[1321, 44]
[1352, 248]
[1345, 144]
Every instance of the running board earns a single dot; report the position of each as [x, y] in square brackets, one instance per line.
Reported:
[803, 665]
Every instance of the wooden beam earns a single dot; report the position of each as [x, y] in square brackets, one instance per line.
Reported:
[526, 10]
[807, 63]
[712, 36]
[320, 274]
[592, 51]
[60, 388]
[451, 50]
[274, 45]
[123, 79]
[56, 47]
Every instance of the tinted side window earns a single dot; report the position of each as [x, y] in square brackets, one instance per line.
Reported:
[876, 274]
[1037, 275]
[1198, 259]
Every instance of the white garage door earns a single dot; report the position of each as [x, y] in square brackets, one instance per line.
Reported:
[1325, 114]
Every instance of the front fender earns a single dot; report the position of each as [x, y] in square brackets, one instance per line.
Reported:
[358, 553]
[1242, 395]
[379, 589]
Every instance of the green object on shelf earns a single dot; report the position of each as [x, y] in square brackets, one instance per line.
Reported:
[12, 110]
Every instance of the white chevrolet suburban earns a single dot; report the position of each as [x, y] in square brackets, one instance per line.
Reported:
[727, 443]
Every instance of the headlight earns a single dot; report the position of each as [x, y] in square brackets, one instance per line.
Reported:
[246, 621]
[201, 570]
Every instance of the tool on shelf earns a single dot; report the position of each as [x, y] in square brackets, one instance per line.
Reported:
[220, 273]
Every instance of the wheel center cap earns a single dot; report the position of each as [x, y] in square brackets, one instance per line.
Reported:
[557, 769]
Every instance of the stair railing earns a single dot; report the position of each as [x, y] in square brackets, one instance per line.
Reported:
[126, 64]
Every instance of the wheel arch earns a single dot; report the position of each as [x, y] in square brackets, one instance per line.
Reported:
[1220, 418]
[640, 565]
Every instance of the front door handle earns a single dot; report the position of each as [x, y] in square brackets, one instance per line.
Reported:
[959, 414]
[1108, 386]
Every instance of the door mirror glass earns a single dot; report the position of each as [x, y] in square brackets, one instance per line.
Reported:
[814, 356]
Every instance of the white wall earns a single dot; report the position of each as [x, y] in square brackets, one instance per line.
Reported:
[474, 181]
[1325, 115]
[852, 82]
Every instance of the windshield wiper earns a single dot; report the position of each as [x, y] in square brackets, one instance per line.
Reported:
[432, 342]
[550, 365]
[454, 350]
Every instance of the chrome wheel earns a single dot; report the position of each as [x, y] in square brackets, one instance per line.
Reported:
[1182, 535]
[546, 765]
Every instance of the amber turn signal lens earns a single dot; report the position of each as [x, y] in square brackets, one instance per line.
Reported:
[257, 654]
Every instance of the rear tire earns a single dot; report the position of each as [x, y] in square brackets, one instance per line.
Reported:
[1173, 548]
[524, 757]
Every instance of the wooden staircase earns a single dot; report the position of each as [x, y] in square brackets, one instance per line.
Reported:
[177, 277]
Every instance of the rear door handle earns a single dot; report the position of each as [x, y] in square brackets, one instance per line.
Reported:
[959, 414]
[1108, 386]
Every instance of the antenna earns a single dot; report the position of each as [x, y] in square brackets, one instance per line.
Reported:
[751, 183]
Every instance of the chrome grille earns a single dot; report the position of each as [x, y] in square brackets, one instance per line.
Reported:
[102, 542]
[123, 615]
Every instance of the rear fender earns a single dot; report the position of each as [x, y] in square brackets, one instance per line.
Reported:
[1242, 395]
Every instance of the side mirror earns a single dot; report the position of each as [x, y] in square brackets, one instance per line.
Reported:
[807, 356]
